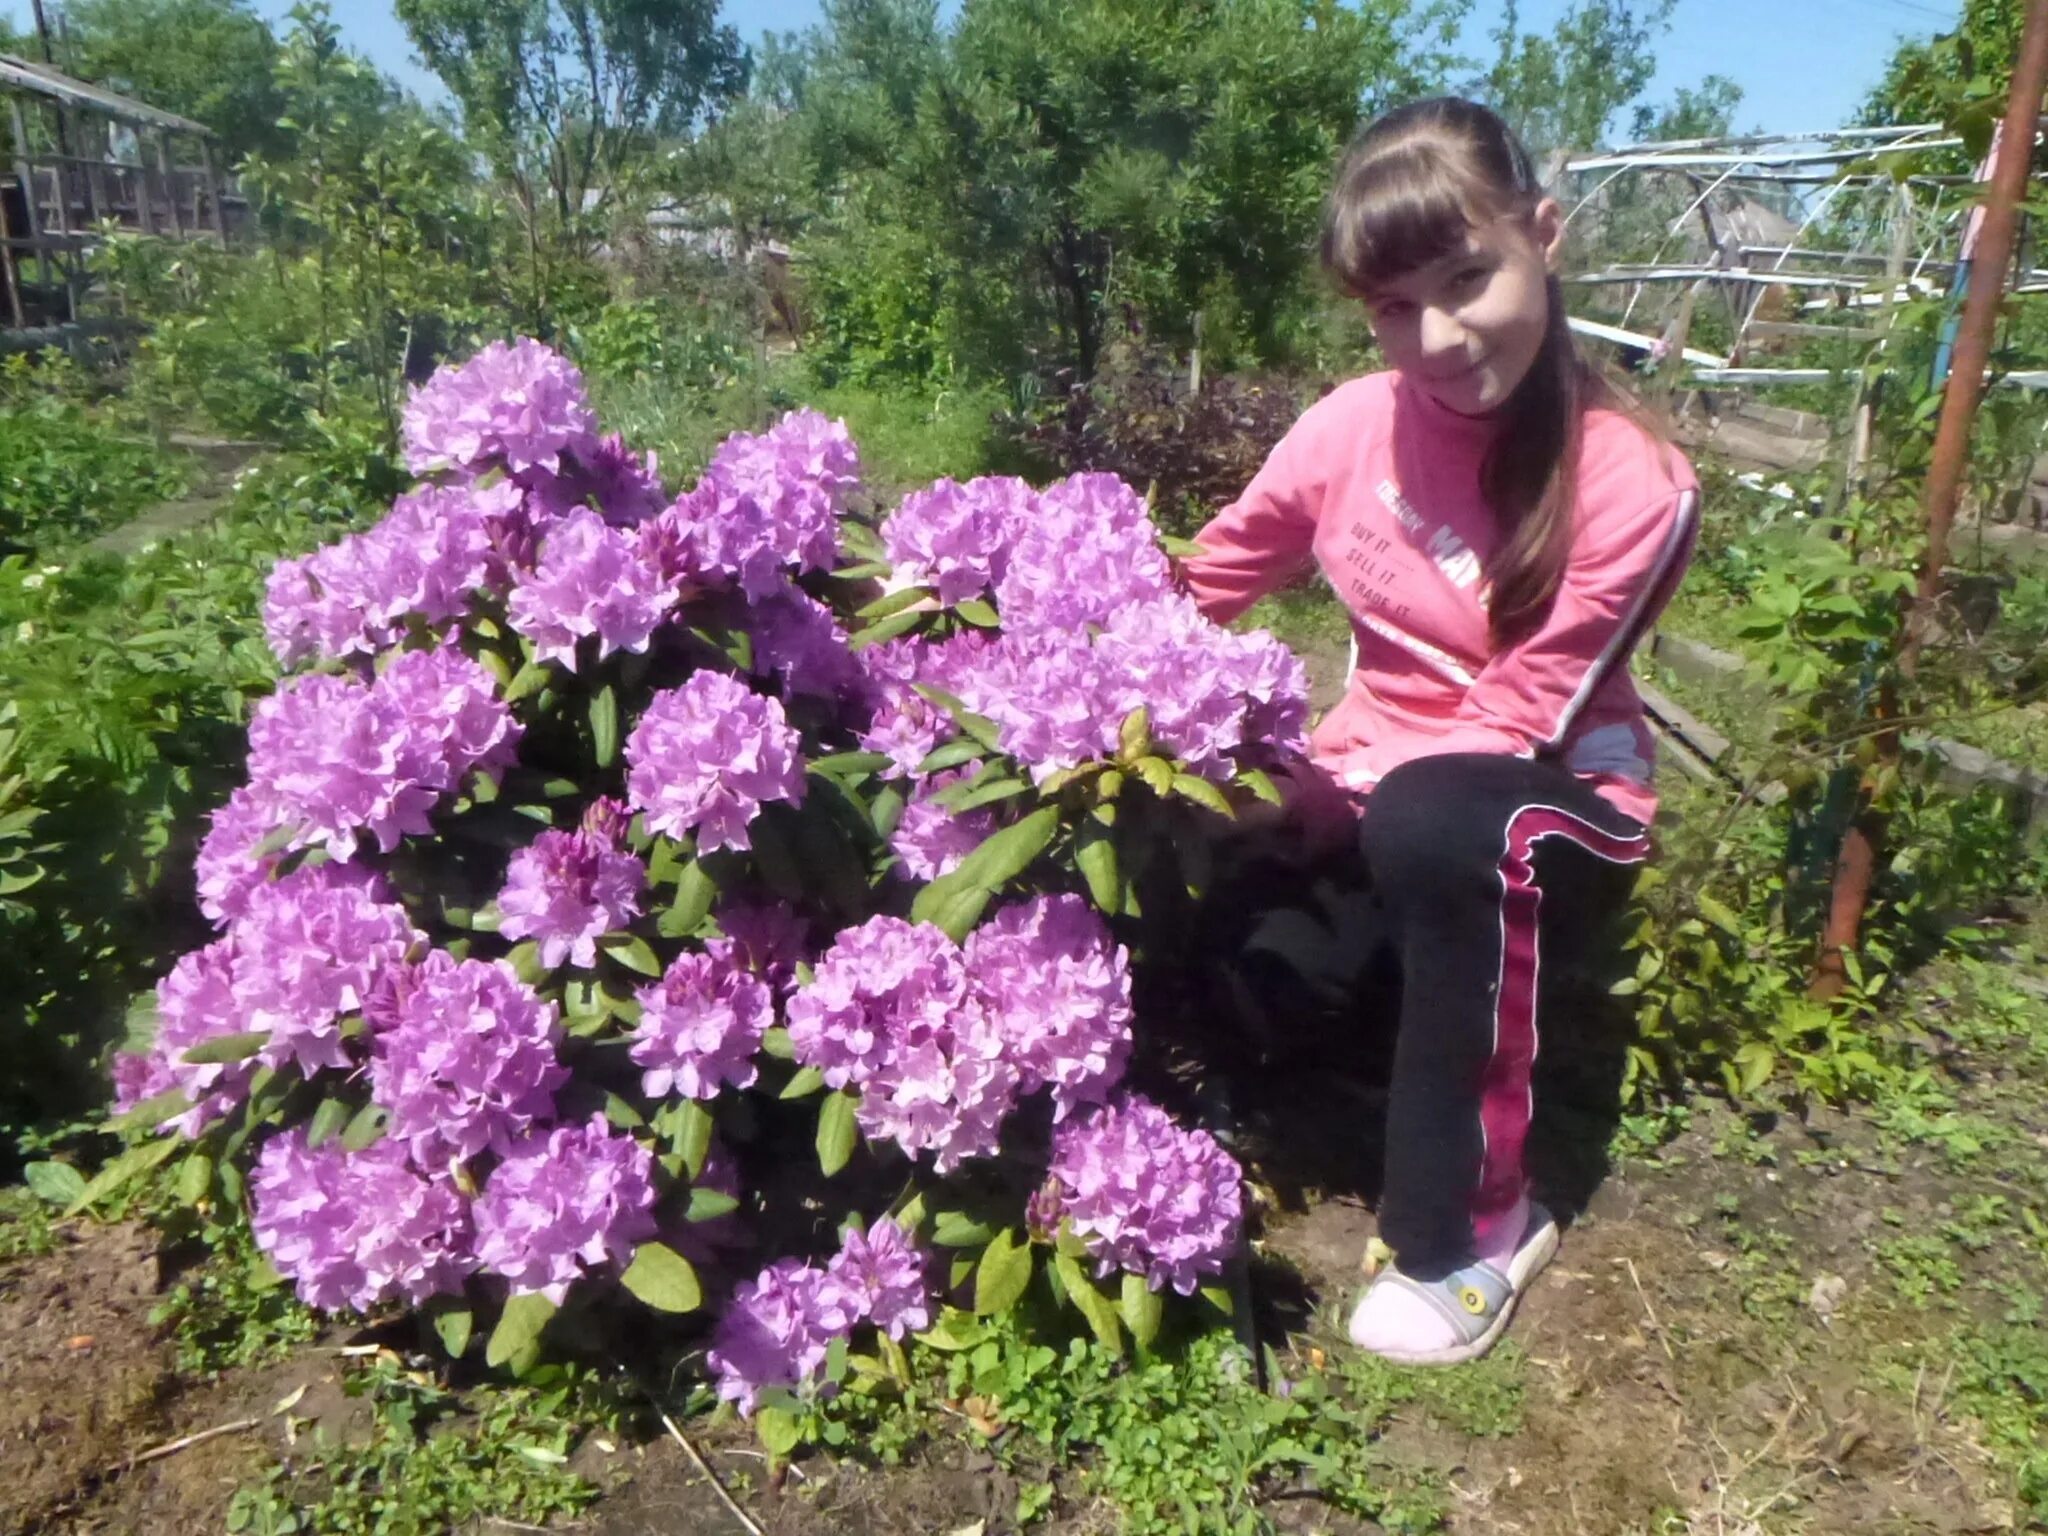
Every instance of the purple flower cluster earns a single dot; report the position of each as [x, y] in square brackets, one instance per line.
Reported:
[430, 554]
[768, 503]
[590, 580]
[625, 487]
[796, 638]
[465, 1060]
[781, 1325]
[568, 889]
[1061, 989]
[521, 407]
[227, 866]
[1086, 551]
[930, 840]
[304, 953]
[310, 950]
[1146, 1195]
[355, 1229]
[338, 757]
[706, 756]
[954, 539]
[904, 725]
[566, 1200]
[891, 1011]
[700, 1026]
[1218, 700]
[768, 939]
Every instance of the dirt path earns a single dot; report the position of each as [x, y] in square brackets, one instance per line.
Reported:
[219, 461]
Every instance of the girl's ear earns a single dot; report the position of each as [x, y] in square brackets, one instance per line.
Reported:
[1546, 225]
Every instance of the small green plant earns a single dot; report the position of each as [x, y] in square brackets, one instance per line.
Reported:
[232, 1308]
[432, 1464]
[25, 1230]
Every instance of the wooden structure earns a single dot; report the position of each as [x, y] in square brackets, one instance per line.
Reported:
[78, 158]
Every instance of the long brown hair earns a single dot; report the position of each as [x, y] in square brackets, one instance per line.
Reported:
[1409, 188]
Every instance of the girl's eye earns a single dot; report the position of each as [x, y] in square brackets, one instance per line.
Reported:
[1469, 278]
[1391, 309]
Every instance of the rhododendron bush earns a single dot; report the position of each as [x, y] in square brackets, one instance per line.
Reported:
[711, 902]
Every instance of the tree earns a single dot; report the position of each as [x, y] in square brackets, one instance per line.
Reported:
[1959, 77]
[209, 60]
[997, 192]
[563, 93]
[1561, 91]
[1707, 112]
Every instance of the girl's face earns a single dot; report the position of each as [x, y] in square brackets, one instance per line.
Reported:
[1468, 326]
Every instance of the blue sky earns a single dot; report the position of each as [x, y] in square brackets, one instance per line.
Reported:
[1801, 63]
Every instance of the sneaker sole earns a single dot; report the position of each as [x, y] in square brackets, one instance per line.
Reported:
[1526, 1265]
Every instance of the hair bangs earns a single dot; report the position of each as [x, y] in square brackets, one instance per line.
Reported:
[1398, 210]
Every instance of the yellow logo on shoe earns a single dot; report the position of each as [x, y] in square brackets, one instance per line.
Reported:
[1472, 1299]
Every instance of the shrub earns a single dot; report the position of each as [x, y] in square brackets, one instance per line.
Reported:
[612, 848]
[1136, 418]
[64, 476]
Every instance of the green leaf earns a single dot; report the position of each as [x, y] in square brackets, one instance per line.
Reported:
[1260, 784]
[1717, 914]
[529, 679]
[129, 1166]
[519, 1328]
[954, 1331]
[695, 891]
[977, 612]
[893, 603]
[1091, 1303]
[955, 901]
[1157, 774]
[54, 1183]
[1178, 547]
[779, 1431]
[886, 629]
[709, 1205]
[988, 794]
[367, 1128]
[1141, 1308]
[851, 766]
[663, 1279]
[775, 1042]
[525, 962]
[1219, 1297]
[1134, 736]
[622, 1114]
[632, 952]
[1095, 853]
[866, 570]
[454, 1322]
[956, 1229]
[689, 1133]
[1003, 1274]
[803, 1085]
[223, 1048]
[329, 1121]
[838, 1133]
[604, 726]
[195, 1179]
[951, 754]
[1192, 787]
[978, 727]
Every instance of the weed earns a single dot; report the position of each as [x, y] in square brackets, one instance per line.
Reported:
[426, 1468]
[1922, 1265]
[1192, 1443]
[25, 1228]
[232, 1308]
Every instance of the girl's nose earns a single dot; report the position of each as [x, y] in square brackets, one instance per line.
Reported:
[1441, 334]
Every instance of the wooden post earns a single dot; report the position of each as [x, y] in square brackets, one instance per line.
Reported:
[25, 169]
[67, 259]
[213, 191]
[1861, 847]
[163, 165]
[8, 264]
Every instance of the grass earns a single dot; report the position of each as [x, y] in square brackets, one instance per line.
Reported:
[906, 439]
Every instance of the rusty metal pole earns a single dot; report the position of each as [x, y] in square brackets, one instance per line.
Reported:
[1856, 867]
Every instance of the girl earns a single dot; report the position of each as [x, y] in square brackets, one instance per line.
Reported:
[1503, 533]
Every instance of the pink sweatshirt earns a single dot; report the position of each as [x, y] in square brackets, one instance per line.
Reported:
[1378, 485]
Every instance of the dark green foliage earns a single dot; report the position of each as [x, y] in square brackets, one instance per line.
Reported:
[65, 475]
[1196, 451]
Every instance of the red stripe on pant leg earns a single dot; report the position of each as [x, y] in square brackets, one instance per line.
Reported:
[1504, 1097]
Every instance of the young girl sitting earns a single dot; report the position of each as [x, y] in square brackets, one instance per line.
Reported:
[1503, 532]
